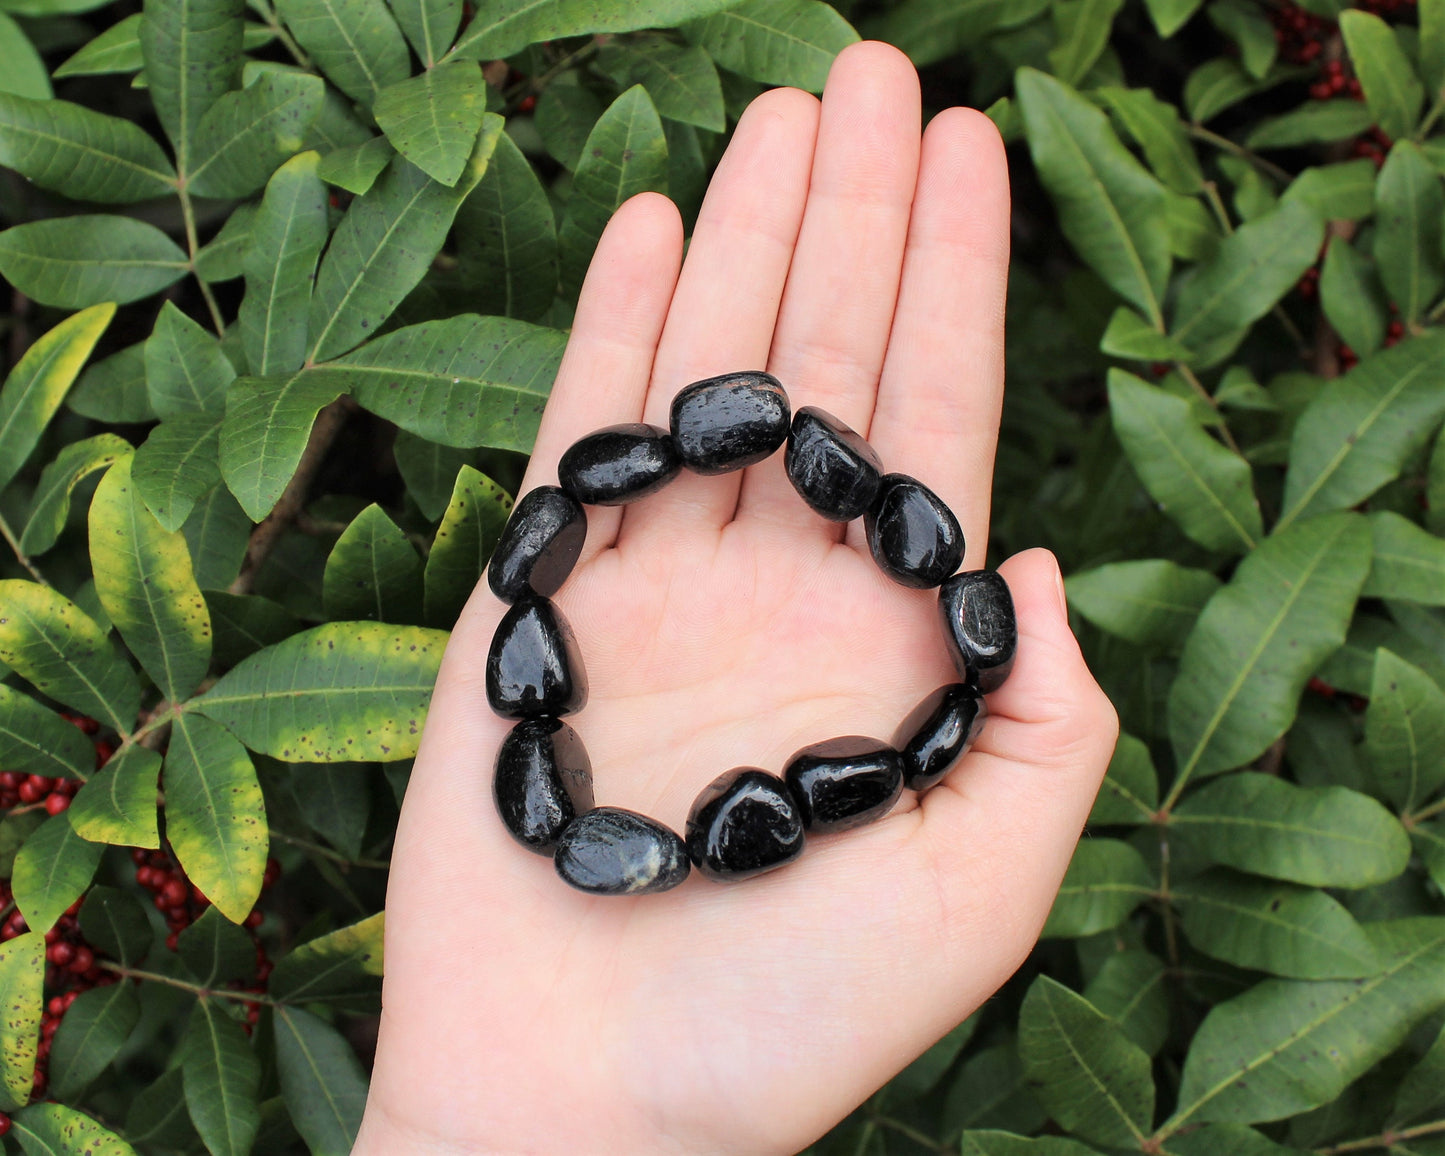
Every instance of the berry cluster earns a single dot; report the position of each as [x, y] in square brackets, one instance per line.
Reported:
[1374, 144]
[1300, 35]
[1335, 81]
[20, 790]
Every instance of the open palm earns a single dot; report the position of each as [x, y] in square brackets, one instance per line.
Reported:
[725, 624]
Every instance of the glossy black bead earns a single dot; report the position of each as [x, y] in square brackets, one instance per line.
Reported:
[844, 783]
[831, 466]
[619, 464]
[534, 666]
[728, 422]
[543, 781]
[979, 625]
[539, 545]
[745, 822]
[938, 732]
[914, 537]
[610, 851]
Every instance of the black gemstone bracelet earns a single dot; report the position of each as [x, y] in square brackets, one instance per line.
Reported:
[746, 821]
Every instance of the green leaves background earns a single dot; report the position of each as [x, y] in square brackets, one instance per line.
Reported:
[290, 284]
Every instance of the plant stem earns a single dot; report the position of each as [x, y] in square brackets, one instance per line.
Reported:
[268, 14]
[328, 853]
[920, 1138]
[1269, 168]
[20, 554]
[1216, 204]
[1198, 386]
[1432, 116]
[188, 214]
[195, 989]
[1387, 1139]
[1424, 813]
[537, 83]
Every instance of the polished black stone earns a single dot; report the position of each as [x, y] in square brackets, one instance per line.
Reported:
[610, 851]
[534, 666]
[979, 626]
[914, 537]
[938, 732]
[844, 783]
[619, 464]
[745, 822]
[543, 781]
[831, 466]
[539, 545]
[728, 422]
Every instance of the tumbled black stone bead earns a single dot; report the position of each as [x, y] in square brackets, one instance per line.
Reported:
[979, 625]
[728, 422]
[534, 666]
[619, 464]
[543, 781]
[745, 822]
[610, 851]
[539, 545]
[914, 537]
[938, 732]
[844, 783]
[831, 466]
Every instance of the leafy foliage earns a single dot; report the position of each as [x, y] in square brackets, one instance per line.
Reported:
[290, 284]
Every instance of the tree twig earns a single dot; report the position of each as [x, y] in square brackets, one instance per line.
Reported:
[9, 535]
[1386, 1139]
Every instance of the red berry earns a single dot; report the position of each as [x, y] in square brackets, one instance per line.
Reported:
[39, 1082]
[174, 892]
[264, 970]
[171, 940]
[4, 1123]
[56, 1006]
[528, 104]
[178, 914]
[60, 954]
[103, 752]
[56, 802]
[84, 960]
[48, 1028]
[33, 789]
[144, 876]
[273, 873]
[11, 780]
[159, 859]
[255, 919]
[139, 855]
[70, 997]
[71, 912]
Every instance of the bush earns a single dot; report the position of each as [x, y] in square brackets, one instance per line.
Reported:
[249, 442]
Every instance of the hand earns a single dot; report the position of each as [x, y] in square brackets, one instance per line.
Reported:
[723, 623]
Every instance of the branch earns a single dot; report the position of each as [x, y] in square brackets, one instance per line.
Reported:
[1386, 1139]
[9, 535]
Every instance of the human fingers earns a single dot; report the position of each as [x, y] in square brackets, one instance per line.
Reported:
[722, 315]
[941, 392]
[604, 372]
[837, 308]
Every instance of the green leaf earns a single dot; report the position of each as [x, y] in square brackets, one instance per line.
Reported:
[1297, 932]
[92, 1033]
[246, 623]
[1259, 639]
[118, 804]
[1111, 210]
[464, 542]
[931, 30]
[1351, 297]
[1342, 191]
[1007, 1144]
[1151, 603]
[322, 1080]
[1235, 1139]
[1170, 16]
[1156, 126]
[186, 372]
[344, 691]
[1319, 836]
[1286, 1046]
[626, 154]
[53, 644]
[144, 579]
[192, 52]
[430, 25]
[1130, 791]
[1204, 487]
[433, 119]
[990, 1092]
[506, 26]
[1409, 562]
[222, 1079]
[564, 116]
[383, 246]
[1105, 881]
[22, 995]
[247, 134]
[215, 816]
[1082, 29]
[1129, 335]
[356, 166]
[356, 43]
[52, 870]
[114, 389]
[36, 386]
[220, 258]
[789, 42]
[86, 155]
[55, 1130]
[37, 741]
[268, 421]
[465, 381]
[157, 1115]
[286, 241]
[1317, 122]
[507, 238]
[177, 466]
[334, 800]
[217, 532]
[72, 262]
[25, 72]
[59, 478]
[1405, 732]
[116, 923]
[117, 49]
[1392, 90]
[1216, 85]
[1435, 486]
[681, 79]
[1131, 989]
[342, 969]
[922, 1075]
[1409, 226]
[373, 572]
[1093, 1080]
[1251, 270]
[429, 471]
[1251, 32]
[1358, 430]
[216, 950]
[1422, 1091]
[1432, 45]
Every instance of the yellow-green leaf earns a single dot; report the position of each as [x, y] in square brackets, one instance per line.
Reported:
[433, 119]
[51, 871]
[342, 969]
[268, 420]
[51, 506]
[118, 804]
[22, 995]
[37, 741]
[463, 544]
[51, 1129]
